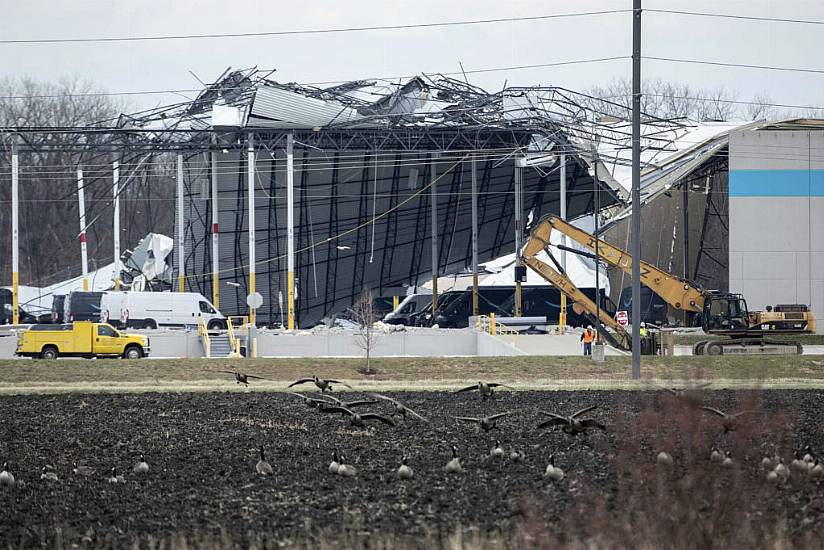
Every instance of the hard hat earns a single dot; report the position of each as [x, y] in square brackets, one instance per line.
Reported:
[589, 327]
[643, 324]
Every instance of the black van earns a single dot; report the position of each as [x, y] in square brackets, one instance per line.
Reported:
[6, 317]
[82, 306]
[58, 302]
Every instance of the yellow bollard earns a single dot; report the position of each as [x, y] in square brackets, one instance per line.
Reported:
[492, 324]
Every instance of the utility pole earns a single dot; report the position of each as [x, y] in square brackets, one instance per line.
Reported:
[562, 318]
[81, 205]
[181, 233]
[290, 231]
[597, 201]
[116, 225]
[215, 216]
[251, 216]
[636, 189]
[15, 235]
[474, 236]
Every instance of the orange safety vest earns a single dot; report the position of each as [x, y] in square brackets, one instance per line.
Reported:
[589, 336]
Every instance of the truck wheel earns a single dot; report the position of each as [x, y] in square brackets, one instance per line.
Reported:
[149, 324]
[49, 352]
[216, 324]
[714, 348]
[133, 352]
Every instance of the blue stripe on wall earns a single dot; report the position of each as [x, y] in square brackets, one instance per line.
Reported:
[776, 183]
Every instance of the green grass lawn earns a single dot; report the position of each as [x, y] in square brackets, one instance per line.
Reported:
[30, 376]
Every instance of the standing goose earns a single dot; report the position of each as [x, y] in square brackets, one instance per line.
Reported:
[334, 465]
[398, 407]
[405, 472]
[486, 389]
[262, 467]
[454, 465]
[346, 470]
[241, 378]
[798, 463]
[809, 457]
[48, 474]
[781, 470]
[115, 477]
[323, 385]
[485, 423]
[6, 477]
[497, 451]
[141, 467]
[572, 424]
[516, 455]
[664, 459]
[728, 420]
[552, 471]
[358, 420]
[816, 470]
[727, 462]
[86, 471]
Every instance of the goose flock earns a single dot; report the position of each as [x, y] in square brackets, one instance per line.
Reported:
[804, 461]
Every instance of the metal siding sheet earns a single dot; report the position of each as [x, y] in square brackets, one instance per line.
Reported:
[273, 107]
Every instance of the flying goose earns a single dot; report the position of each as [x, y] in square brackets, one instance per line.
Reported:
[552, 471]
[359, 420]
[47, 474]
[115, 477]
[262, 467]
[141, 467]
[323, 385]
[241, 378]
[485, 423]
[729, 421]
[398, 407]
[571, 424]
[686, 390]
[486, 389]
[405, 472]
[454, 465]
[6, 477]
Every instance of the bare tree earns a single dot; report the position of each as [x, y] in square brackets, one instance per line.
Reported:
[364, 315]
[760, 108]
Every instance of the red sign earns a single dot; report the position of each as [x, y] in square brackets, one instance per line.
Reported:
[621, 318]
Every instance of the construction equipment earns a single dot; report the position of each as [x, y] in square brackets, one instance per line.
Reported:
[719, 313]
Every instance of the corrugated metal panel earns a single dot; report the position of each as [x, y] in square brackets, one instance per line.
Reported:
[277, 108]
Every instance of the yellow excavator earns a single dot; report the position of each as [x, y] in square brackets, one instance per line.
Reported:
[719, 313]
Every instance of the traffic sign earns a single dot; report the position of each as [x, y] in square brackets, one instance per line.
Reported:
[254, 300]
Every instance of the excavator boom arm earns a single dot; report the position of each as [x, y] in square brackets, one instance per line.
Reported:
[677, 292]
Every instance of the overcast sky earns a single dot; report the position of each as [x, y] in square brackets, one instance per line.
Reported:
[160, 65]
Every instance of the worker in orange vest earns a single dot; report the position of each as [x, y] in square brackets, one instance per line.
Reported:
[587, 337]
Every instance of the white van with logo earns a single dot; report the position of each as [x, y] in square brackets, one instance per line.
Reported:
[168, 309]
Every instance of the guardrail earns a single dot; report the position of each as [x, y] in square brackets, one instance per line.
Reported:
[230, 331]
[204, 337]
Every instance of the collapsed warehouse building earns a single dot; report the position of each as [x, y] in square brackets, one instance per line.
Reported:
[372, 184]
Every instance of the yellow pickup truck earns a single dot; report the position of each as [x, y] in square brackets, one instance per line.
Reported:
[80, 339]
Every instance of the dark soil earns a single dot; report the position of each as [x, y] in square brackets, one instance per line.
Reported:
[201, 449]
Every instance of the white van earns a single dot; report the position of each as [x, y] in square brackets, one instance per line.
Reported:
[168, 309]
[111, 304]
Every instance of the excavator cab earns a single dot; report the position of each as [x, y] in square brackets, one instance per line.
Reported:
[724, 313]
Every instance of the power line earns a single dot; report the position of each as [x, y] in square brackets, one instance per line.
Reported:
[735, 16]
[310, 31]
[736, 65]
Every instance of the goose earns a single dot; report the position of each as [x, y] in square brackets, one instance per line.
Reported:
[715, 454]
[772, 476]
[685, 391]
[399, 408]
[241, 378]
[115, 478]
[816, 470]
[47, 474]
[454, 465]
[728, 420]
[664, 459]
[346, 470]
[485, 389]
[328, 400]
[6, 477]
[262, 467]
[141, 467]
[405, 472]
[311, 402]
[497, 451]
[86, 471]
[781, 470]
[727, 462]
[571, 424]
[334, 465]
[517, 455]
[485, 423]
[359, 420]
[323, 385]
[767, 463]
[552, 471]
[809, 457]
[798, 463]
